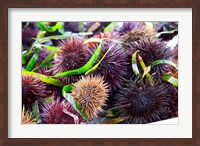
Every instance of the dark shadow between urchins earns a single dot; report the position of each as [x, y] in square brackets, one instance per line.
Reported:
[113, 67]
[73, 54]
[150, 50]
[60, 112]
[141, 103]
[33, 89]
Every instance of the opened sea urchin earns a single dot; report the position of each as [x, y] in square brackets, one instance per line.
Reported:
[90, 93]
[141, 103]
[73, 54]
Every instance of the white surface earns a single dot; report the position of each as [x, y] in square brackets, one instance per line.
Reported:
[178, 128]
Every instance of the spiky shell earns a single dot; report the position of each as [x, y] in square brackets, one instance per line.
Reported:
[73, 54]
[113, 67]
[127, 27]
[141, 103]
[130, 32]
[33, 89]
[150, 50]
[90, 93]
[60, 112]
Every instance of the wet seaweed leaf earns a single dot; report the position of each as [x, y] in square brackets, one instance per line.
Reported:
[71, 100]
[144, 67]
[134, 64]
[166, 32]
[110, 27]
[112, 113]
[32, 62]
[45, 27]
[43, 78]
[170, 79]
[36, 112]
[59, 37]
[25, 55]
[68, 88]
[157, 62]
[55, 37]
[84, 68]
[47, 60]
[40, 34]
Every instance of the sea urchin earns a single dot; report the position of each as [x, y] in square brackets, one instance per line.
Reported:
[73, 54]
[90, 93]
[60, 112]
[150, 50]
[33, 89]
[113, 67]
[141, 103]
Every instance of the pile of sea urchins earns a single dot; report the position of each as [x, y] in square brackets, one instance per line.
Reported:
[112, 85]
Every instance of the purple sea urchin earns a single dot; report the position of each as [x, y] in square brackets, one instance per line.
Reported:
[132, 31]
[60, 112]
[74, 54]
[90, 93]
[150, 50]
[141, 103]
[113, 67]
[127, 27]
[32, 90]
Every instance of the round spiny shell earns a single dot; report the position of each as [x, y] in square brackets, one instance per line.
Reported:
[33, 89]
[142, 103]
[90, 93]
[150, 50]
[132, 31]
[59, 112]
[113, 67]
[73, 54]
[127, 27]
